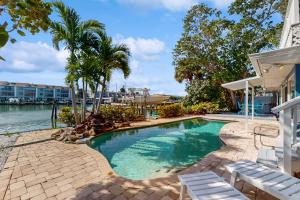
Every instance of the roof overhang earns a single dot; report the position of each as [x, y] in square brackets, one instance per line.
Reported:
[274, 66]
[241, 84]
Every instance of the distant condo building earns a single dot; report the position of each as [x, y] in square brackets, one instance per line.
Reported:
[27, 92]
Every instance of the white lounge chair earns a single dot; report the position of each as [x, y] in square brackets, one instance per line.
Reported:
[208, 186]
[273, 158]
[278, 184]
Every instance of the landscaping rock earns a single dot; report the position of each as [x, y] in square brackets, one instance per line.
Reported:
[72, 138]
[92, 132]
[93, 125]
[82, 141]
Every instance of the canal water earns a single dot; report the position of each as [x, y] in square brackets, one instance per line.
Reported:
[21, 118]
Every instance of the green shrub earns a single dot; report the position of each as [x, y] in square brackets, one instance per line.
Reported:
[131, 113]
[119, 113]
[188, 110]
[205, 107]
[66, 116]
[173, 110]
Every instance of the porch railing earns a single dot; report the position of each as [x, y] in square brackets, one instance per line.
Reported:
[292, 36]
[288, 118]
[295, 34]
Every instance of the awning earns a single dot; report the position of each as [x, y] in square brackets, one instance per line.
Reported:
[274, 66]
[241, 84]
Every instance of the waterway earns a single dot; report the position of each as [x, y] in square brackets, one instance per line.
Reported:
[22, 118]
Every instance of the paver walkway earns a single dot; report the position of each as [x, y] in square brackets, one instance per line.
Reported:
[54, 170]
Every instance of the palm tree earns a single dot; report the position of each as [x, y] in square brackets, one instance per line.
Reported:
[71, 31]
[111, 57]
[96, 74]
[87, 69]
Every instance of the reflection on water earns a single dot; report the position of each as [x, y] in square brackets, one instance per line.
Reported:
[20, 118]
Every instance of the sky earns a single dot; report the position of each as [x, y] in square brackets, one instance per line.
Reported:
[150, 28]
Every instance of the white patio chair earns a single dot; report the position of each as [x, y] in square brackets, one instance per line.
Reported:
[208, 186]
[278, 184]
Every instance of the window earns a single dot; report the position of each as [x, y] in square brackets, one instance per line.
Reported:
[292, 87]
[29, 92]
[7, 91]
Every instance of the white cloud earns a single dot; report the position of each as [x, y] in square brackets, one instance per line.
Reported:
[221, 3]
[148, 67]
[141, 48]
[171, 5]
[32, 57]
[174, 5]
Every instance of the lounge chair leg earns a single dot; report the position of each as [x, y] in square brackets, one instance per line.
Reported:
[233, 178]
[181, 192]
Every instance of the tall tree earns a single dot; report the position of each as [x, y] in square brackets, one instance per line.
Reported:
[111, 57]
[20, 15]
[214, 48]
[71, 32]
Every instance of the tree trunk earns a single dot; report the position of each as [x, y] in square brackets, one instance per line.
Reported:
[101, 95]
[73, 96]
[94, 99]
[83, 100]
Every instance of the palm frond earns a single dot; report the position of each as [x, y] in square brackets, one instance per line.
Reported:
[59, 33]
[91, 25]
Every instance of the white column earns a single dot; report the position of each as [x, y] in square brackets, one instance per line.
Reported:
[287, 141]
[252, 99]
[296, 11]
[289, 95]
[246, 104]
[295, 123]
[281, 95]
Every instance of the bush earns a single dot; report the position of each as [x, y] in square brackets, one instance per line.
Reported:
[173, 110]
[119, 113]
[205, 107]
[66, 116]
[131, 114]
[188, 110]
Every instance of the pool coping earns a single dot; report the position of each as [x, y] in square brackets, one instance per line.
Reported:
[109, 170]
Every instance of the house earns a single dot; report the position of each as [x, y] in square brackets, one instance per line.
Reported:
[279, 70]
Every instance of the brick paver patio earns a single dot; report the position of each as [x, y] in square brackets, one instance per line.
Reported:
[54, 170]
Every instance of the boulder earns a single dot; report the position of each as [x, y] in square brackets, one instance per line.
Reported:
[82, 141]
[61, 137]
[92, 132]
[80, 136]
[72, 138]
[57, 133]
[85, 133]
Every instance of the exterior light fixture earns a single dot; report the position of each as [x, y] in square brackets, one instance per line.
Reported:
[265, 70]
[281, 67]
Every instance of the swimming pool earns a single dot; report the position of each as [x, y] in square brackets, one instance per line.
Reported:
[153, 152]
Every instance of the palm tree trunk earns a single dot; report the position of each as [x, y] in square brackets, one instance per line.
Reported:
[73, 96]
[94, 98]
[81, 102]
[101, 95]
[83, 99]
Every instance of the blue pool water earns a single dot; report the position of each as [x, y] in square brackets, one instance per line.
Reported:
[152, 152]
